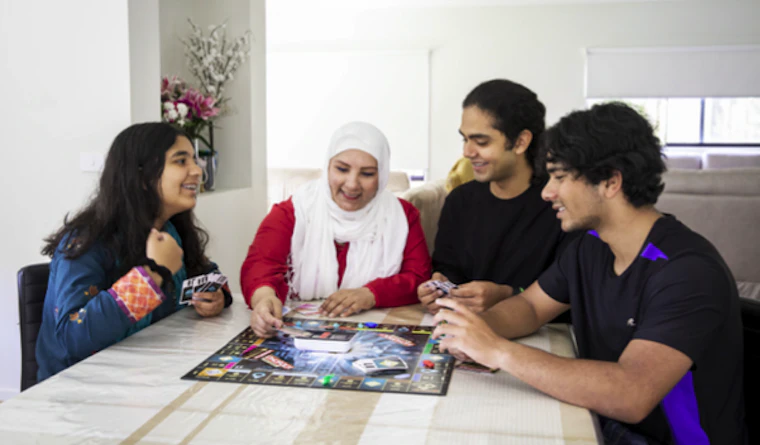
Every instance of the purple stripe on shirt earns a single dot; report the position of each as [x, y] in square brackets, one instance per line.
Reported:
[682, 413]
[148, 279]
[593, 233]
[653, 253]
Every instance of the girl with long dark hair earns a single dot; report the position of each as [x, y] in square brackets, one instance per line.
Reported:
[118, 265]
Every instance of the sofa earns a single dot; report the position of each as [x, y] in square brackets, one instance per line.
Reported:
[722, 205]
[713, 159]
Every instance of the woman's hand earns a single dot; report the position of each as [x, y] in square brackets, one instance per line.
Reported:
[347, 302]
[208, 304]
[266, 316]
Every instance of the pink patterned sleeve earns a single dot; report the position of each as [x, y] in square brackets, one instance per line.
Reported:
[137, 294]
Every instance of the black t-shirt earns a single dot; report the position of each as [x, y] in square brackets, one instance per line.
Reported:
[505, 241]
[678, 292]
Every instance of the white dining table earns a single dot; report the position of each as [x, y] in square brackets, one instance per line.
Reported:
[132, 393]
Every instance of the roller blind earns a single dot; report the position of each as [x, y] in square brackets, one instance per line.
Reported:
[714, 71]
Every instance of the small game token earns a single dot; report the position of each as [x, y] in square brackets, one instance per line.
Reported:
[403, 329]
[326, 380]
[361, 325]
[298, 323]
[336, 325]
[428, 364]
[370, 325]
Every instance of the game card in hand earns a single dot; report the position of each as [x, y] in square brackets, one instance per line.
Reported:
[202, 283]
[444, 286]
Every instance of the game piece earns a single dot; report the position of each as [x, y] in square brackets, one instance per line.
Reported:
[380, 365]
[370, 325]
[373, 362]
[428, 364]
[360, 325]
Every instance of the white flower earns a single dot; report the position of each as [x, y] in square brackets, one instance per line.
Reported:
[172, 114]
[168, 105]
[182, 109]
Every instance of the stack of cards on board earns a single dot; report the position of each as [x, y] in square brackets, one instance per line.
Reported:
[210, 282]
[392, 363]
[324, 341]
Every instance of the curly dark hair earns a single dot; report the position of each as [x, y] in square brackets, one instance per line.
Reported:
[514, 108]
[608, 137]
[127, 203]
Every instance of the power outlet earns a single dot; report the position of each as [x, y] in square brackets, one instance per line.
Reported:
[91, 162]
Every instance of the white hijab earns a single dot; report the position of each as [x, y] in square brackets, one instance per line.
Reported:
[377, 232]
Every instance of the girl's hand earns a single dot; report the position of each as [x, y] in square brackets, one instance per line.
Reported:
[164, 250]
[208, 304]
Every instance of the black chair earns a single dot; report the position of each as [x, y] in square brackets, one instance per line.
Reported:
[751, 322]
[32, 286]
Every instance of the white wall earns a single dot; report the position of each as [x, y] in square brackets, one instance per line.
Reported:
[386, 88]
[144, 60]
[232, 212]
[542, 46]
[65, 81]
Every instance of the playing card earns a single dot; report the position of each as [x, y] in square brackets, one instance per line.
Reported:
[199, 282]
[187, 291]
[444, 286]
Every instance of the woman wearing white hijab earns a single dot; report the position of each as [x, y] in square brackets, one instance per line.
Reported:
[342, 238]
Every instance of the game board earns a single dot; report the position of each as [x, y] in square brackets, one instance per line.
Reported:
[252, 360]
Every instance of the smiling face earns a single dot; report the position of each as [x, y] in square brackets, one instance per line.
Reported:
[579, 205]
[353, 178]
[180, 180]
[487, 148]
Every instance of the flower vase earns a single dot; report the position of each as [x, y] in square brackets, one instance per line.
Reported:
[209, 171]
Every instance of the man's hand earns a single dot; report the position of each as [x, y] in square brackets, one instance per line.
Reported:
[266, 316]
[465, 334]
[347, 302]
[479, 296]
[208, 304]
[427, 293]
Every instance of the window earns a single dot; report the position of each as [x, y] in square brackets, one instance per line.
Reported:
[705, 122]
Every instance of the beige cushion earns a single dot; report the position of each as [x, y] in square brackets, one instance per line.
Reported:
[717, 160]
[429, 199]
[724, 207]
[398, 182]
[688, 161]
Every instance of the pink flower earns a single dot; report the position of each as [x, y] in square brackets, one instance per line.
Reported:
[200, 105]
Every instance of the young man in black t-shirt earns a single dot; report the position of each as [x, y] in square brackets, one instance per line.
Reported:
[495, 234]
[655, 308]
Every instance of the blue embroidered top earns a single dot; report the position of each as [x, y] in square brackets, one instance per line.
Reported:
[87, 308]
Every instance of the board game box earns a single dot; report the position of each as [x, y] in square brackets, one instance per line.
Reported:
[381, 358]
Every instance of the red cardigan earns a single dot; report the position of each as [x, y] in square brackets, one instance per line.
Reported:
[266, 263]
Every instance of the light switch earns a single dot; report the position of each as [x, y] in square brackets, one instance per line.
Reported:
[91, 162]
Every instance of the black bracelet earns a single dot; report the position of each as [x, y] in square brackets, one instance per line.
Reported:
[165, 273]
